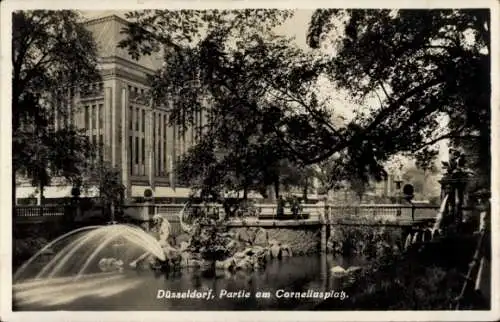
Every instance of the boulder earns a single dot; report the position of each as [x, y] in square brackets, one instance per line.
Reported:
[228, 264]
[275, 251]
[219, 264]
[239, 255]
[182, 238]
[243, 264]
[183, 246]
[261, 237]
[249, 251]
[245, 236]
[273, 242]
[338, 271]
[188, 260]
[286, 251]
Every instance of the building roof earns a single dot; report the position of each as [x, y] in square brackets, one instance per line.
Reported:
[107, 31]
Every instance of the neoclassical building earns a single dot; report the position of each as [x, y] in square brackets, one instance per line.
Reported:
[117, 114]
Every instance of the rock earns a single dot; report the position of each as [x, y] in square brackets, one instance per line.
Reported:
[239, 255]
[261, 237]
[286, 251]
[273, 242]
[408, 241]
[427, 235]
[245, 236]
[354, 269]
[219, 264]
[249, 251]
[228, 264]
[267, 254]
[220, 273]
[183, 246]
[275, 251]
[182, 238]
[171, 253]
[338, 271]
[185, 257]
[243, 264]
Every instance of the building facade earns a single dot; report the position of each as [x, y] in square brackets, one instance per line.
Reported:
[118, 115]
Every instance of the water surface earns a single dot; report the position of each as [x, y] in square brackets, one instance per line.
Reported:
[138, 291]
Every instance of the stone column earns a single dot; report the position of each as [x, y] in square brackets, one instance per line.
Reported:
[108, 134]
[323, 238]
[124, 146]
[149, 145]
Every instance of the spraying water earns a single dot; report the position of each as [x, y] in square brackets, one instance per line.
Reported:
[81, 252]
[439, 218]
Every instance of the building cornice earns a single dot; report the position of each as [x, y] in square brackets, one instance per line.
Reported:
[122, 73]
[94, 21]
[127, 63]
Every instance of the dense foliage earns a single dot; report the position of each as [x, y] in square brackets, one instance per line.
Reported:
[422, 64]
[52, 55]
[257, 87]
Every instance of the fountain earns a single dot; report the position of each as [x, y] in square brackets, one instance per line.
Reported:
[90, 250]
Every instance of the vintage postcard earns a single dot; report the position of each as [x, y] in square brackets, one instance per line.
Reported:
[249, 160]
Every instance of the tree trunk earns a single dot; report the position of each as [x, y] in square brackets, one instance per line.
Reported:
[276, 188]
[304, 190]
[245, 192]
[40, 194]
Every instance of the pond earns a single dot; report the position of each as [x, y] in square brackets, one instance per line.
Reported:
[138, 291]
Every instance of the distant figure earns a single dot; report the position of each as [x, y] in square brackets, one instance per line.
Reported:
[280, 210]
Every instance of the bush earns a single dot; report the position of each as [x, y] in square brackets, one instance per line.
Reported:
[24, 248]
[418, 280]
[210, 239]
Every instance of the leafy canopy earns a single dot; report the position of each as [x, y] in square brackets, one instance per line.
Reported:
[258, 87]
[52, 55]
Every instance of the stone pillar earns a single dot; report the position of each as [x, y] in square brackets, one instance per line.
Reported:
[149, 145]
[454, 185]
[323, 238]
[124, 146]
[108, 131]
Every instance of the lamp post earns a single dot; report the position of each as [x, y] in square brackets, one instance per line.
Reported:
[408, 192]
[398, 181]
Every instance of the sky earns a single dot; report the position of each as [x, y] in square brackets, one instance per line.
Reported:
[295, 27]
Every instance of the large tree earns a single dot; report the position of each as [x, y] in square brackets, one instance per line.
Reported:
[53, 55]
[421, 64]
[249, 81]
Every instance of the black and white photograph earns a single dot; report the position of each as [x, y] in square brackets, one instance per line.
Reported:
[249, 158]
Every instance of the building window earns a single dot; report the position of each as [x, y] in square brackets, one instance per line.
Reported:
[136, 148]
[94, 118]
[137, 116]
[143, 120]
[101, 116]
[143, 151]
[86, 117]
[130, 157]
[158, 159]
[130, 118]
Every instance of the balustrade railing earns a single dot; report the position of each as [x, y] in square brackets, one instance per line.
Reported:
[262, 211]
[45, 210]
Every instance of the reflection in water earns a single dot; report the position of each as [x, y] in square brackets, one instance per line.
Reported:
[138, 291]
